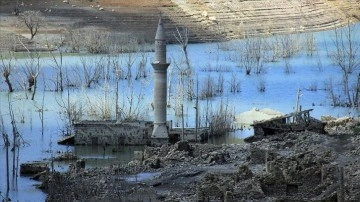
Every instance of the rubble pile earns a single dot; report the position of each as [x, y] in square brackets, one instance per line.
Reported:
[340, 125]
[302, 166]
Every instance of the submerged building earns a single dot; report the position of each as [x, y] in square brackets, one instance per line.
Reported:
[156, 132]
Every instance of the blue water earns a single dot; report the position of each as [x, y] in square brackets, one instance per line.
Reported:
[207, 61]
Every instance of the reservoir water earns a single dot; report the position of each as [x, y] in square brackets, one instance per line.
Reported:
[218, 64]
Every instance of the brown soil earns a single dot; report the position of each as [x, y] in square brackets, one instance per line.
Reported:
[205, 20]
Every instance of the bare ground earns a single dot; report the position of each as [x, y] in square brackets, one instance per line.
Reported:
[207, 20]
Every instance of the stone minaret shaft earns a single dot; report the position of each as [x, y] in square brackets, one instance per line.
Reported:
[160, 86]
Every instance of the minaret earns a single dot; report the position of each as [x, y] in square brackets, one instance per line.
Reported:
[160, 132]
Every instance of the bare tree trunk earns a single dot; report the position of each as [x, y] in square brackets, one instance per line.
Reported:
[15, 134]
[182, 121]
[6, 69]
[59, 71]
[347, 89]
[330, 87]
[41, 111]
[32, 70]
[117, 100]
[197, 110]
[7, 144]
[7, 81]
[357, 91]
[34, 89]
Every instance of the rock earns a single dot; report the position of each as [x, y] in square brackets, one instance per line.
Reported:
[101, 9]
[257, 155]
[66, 1]
[139, 155]
[153, 163]
[243, 173]
[33, 168]
[80, 164]
[204, 14]
[183, 146]
[212, 18]
[300, 167]
[218, 157]
[327, 118]
[40, 176]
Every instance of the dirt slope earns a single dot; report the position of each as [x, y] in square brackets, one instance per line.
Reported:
[206, 20]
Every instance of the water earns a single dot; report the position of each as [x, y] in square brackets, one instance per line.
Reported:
[141, 177]
[207, 60]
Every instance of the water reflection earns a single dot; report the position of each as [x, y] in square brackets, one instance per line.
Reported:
[234, 137]
[141, 177]
[98, 156]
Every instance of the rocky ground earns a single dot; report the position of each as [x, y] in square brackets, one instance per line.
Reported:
[303, 166]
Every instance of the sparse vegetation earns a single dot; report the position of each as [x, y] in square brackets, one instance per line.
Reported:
[346, 56]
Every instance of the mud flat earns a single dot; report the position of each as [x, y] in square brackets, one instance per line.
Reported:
[296, 166]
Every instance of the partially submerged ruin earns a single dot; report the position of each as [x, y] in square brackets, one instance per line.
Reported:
[129, 133]
[292, 122]
[157, 132]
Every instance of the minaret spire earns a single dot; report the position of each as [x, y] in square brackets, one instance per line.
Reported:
[160, 43]
[160, 132]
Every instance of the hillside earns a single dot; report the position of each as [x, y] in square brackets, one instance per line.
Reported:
[206, 20]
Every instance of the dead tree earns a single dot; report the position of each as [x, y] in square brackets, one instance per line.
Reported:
[17, 140]
[310, 43]
[234, 84]
[118, 72]
[6, 68]
[70, 111]
[58, 66]
[91, 71]
[131, 49]
[183, 39]
[142, 66]
[346, 56]
[5, 137]
[73, 39]
[32, 20]
[132, 104]
[32, 70]
[97, 42]
[289, 45]
[251, 54]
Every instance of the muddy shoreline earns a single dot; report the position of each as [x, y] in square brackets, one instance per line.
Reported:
[303, 166]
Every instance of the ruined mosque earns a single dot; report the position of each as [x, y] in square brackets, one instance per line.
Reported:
[156, 132]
